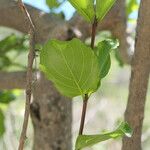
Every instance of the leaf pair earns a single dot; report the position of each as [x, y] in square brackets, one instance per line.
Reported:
[89, 10]
[90, 140]
[73, 67]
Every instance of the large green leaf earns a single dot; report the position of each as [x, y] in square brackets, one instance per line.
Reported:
[103, 52]
[72, 66]
[85, 8]
[102, 7]
[2, 125]
[90, 140]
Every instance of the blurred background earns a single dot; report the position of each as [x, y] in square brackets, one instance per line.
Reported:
[106, 107]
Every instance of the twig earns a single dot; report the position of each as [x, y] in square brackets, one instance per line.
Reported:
[83, 114]
[85, 100]
[31, 57]
[94, 26]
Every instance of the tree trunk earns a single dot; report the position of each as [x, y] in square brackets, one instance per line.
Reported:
[51, 116]
[134, 113]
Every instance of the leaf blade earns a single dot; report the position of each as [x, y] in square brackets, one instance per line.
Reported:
[102, 7]
[90, 140]
[73, 67]
[103, 52]
[85, 8]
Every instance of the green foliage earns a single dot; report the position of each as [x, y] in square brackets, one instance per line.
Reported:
[6, 97]
[9, 44]
[90, 140]
[102, 7]
[132, 5]
[103, 52]
[87, 8]
[76, 69]
[53, 4]
[72, 66]
[2, 125]
[13, 42]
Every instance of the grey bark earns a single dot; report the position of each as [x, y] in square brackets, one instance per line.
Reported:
[51, 116]
[140, 70]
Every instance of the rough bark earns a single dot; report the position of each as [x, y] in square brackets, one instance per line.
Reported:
[51, 112]
[51, 116]
[134, 113]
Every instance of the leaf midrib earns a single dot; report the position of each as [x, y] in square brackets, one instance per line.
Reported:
[80, 90]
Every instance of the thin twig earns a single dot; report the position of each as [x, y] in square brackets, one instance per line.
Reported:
[83, 114]
[85, 100]
[31, 57]
[94, 26]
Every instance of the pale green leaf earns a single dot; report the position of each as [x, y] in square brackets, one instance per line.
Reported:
[90, 140]
[52, 3]
[102, 7]
[72, 66]
[85, 8]
[103, 52]
[2, 125]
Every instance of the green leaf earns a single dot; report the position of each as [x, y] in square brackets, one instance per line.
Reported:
[90, 140]
[6, 97]
[85, 8]
[72, 66]
[2, 125]
[102, 7]
[103, 52]
[52, 3]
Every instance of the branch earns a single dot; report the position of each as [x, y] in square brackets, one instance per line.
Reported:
[49, 26]
[115, 21]
[29, 76]
[134, 113]
[12, 80]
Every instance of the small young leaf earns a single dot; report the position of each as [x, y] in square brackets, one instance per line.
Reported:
[2, 125]
[102, 7]
[72, 66]
[85, 8]
[90, 140]
[103, 52]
